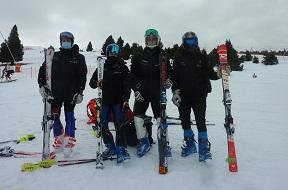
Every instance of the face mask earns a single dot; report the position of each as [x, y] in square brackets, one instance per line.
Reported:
[113, 59]
[66, 45]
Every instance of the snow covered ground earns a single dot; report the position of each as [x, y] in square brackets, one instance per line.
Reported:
[259, 107]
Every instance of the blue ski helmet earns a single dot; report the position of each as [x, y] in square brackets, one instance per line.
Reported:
[190, 39]
[68, 35]
[113, 48]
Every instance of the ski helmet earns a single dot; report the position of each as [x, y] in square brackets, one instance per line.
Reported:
[67, 35]
[113, 48]
[152, 33]
[190, 39]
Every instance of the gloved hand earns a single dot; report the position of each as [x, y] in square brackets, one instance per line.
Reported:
[125, 106]
[138, 96]
[99, 84]
[176, 99]
[77, 98]
[45, 91]
[167, 84]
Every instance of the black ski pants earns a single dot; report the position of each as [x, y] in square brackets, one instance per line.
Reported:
[140, 108]
[198, 105]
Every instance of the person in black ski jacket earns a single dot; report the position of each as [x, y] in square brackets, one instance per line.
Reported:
[191, 85]
[145, 77]
[68, 79]
[116, 93]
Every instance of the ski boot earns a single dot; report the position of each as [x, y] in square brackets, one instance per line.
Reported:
[58, 144]
[69, 144]
[122, 154]
[189, 147]
[143, 147]
[109, 152]
[204, 149]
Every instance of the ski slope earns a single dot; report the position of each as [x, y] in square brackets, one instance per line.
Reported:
[259, 106]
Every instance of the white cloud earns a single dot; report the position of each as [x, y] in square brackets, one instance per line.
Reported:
[257, 24]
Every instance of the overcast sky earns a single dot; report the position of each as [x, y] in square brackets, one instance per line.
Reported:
[256, 24]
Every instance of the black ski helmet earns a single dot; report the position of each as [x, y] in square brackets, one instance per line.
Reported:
[190, 39]
[68, 35]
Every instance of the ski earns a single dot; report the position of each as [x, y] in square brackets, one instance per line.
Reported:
[227, 101]
[47, 120]
[162, 128]
[29, 167]
[178, 123]
[178, 118]
[99, 152]
[7, 81]
[193, 122]
[7, 151]
[25, 138]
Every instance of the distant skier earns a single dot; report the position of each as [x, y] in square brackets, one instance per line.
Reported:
[145, 74]
[191, 85]
[254, 75]
[116, 93]
[7, 72]
[68, 79]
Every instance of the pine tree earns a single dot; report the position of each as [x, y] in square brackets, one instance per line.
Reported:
[248, 56]
[233, 59]
[173, 52]
[135, 48]
[270, 59]
[89, 47]
[213, 58]
[126, 52]
[120, 42]
[255, 59]
[242, 58]
[15, 46]
[108, 41]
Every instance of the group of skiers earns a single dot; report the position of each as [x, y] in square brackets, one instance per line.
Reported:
[189, 77]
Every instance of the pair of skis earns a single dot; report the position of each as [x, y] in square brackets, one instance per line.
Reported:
[227, 101]
[163, 127]
[47, 120]
[99, 152]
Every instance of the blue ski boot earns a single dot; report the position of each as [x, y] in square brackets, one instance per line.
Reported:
[109, 152]
[122, 154]
[143, 147]
[204, 147]
[189, 147]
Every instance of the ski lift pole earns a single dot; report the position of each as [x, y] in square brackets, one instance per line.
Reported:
[8, 47]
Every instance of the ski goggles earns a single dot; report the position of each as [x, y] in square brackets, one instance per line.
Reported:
[152, 32]
[191, 41]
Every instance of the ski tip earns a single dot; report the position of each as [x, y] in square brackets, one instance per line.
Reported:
[233, 168]
[163, 170]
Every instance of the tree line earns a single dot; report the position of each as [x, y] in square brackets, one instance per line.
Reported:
[127, 50]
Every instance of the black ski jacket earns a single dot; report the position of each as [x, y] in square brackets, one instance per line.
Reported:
[145, 72]
[68, 74]
[192, 74]
[116, 82]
